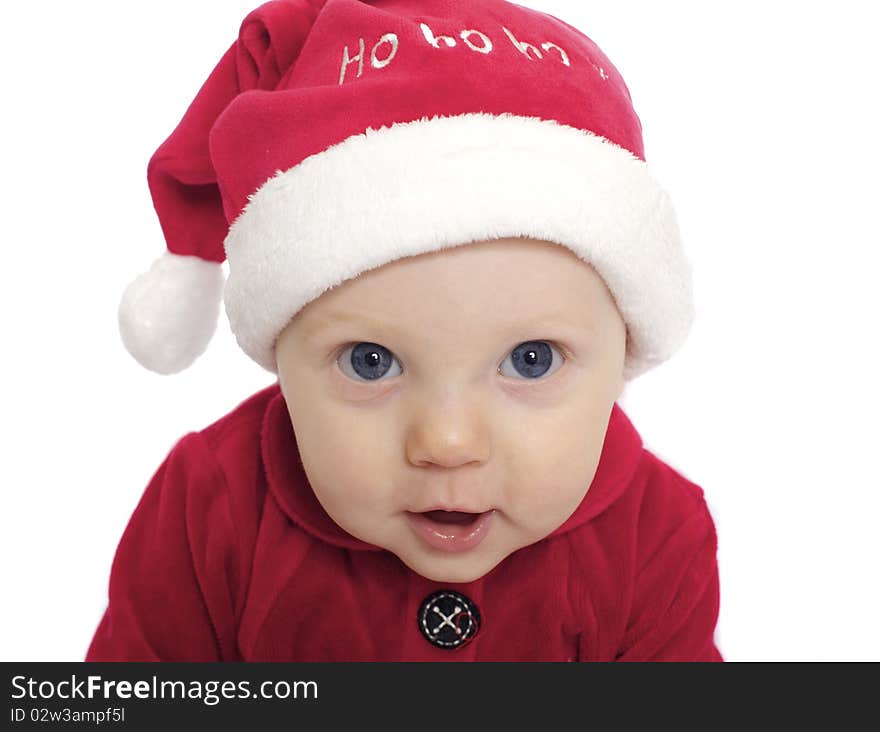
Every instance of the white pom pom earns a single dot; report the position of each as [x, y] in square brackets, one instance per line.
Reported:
[168, 315]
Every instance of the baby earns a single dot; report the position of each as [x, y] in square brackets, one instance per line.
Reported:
[443, 239]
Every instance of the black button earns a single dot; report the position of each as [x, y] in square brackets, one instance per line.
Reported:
[448, 619]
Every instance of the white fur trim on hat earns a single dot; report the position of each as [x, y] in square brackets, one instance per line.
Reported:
[168, 314]
[425, 185]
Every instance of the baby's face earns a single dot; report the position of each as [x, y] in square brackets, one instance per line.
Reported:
[478, 379]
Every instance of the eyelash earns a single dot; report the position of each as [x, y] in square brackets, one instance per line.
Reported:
[336, 354]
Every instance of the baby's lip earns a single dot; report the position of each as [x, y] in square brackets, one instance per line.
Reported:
[451, 509]
[455, 532]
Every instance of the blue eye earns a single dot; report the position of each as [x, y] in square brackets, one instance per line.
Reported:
[531, 359]
[365, 361]
[368, 361]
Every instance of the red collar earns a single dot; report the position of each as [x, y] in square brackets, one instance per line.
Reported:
[288, 483]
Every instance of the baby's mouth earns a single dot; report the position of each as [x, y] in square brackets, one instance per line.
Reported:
[451, 531]
[462, 518]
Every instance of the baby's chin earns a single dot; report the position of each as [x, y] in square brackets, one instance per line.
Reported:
[458, 568]
[461, 573]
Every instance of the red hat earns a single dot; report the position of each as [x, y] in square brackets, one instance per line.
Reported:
[334, 137]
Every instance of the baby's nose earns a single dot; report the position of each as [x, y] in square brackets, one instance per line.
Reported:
[448, 435]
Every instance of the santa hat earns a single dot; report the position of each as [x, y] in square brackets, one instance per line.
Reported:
[334, 137]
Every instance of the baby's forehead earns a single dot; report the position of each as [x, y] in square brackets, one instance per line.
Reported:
[511, 268]
[492, 290]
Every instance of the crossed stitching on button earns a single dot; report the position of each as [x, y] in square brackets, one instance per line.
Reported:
[447, 619]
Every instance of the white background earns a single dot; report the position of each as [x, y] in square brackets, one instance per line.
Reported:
[761, 120]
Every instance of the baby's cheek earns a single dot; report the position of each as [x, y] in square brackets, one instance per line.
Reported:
[357, 477]
[557, 501]
[332, 444]
[551, 485]
[335, 471]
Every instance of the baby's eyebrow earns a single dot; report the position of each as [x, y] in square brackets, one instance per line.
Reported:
[335, 317]
[535, 324]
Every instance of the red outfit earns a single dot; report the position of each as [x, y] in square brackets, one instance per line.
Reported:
[230, 557]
